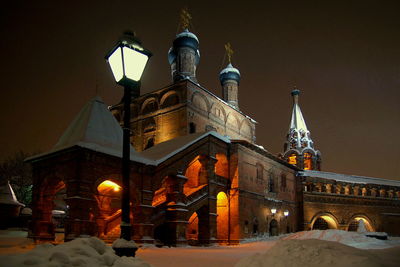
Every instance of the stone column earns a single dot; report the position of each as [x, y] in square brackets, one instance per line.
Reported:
[176, 211]
[208, 165]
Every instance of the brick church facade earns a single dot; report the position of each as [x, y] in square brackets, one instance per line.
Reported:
[197, 174]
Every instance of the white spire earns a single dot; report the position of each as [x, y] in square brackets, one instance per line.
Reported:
[298, 136]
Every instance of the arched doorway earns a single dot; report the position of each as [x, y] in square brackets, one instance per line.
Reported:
[273, 228]
[324, 222]
[109, 203]
[222, 217]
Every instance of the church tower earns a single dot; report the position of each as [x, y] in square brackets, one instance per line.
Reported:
[230, 78]
[184, 55]
[299, 148]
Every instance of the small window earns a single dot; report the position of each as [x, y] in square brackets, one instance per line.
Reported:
[150, 143]
[307, 161]
[292, 159]
[192, 127]
[271, 185]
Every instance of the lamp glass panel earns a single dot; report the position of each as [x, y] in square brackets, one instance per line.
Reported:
[115, 61]
[134, 63]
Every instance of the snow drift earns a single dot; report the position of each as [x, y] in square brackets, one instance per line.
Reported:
[317, 253]
[79, 252]
[354, 239]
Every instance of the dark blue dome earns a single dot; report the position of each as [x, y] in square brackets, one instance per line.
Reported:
[295, 92]
[229, 73]
[184, 39]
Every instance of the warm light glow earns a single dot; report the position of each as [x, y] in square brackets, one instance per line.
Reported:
[108, 185]
[331, 222]
[134, 63]
[307, 161]
[292, 159]
[286, 213]
[273, 210]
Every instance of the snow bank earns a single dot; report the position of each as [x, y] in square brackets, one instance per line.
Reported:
[354, 239]
[79, 252]
[315, 253]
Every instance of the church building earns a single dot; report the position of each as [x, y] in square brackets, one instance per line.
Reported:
[197, 174]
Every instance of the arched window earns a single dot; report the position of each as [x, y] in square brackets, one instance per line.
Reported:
[307, 161]
[292, 159]
[170, 100]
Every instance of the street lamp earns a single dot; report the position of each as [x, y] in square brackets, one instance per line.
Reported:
[127, 61]
[273, 211]
[286, 213]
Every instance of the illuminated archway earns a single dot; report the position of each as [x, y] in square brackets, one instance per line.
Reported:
[222, 217]
[109, 202]
[354, 223]
[192, 229]
[193, 173]
[324, 221]
[222, 166]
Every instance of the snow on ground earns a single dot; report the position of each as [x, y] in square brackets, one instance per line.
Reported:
[79, 252]
[290, 250]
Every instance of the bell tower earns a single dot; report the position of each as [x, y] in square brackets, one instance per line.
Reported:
[299, 148]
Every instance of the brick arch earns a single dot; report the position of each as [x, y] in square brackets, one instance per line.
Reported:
[164, 102]
[245, 128]
[222, 165]
[368, 222]
[232, 122]
[222, 115]
[331, 220]
[146, 108]
[200, 101]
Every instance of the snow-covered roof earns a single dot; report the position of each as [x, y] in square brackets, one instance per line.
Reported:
[95, 128]
[349, 178]
[7, 195]
[165, 150]
[297, 122]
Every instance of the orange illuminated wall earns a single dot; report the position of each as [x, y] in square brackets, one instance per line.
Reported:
[222, 216]
[221, 167]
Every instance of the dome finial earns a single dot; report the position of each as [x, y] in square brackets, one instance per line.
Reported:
[229, 51]
[185, 18]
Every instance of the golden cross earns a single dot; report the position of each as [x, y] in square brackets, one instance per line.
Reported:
[229, 51]
[185, 18]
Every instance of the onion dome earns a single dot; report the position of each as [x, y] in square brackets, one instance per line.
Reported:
[184, 39]
[229, 73]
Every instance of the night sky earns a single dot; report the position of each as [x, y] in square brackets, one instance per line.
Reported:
[344, 56]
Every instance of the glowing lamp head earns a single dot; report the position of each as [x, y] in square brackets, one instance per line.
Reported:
[128, 59]
[286, 213]
[273, 210]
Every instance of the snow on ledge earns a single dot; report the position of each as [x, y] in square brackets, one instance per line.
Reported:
[349, 178]
[122, 243]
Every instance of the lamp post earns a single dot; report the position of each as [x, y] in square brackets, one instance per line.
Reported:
[127, 60]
